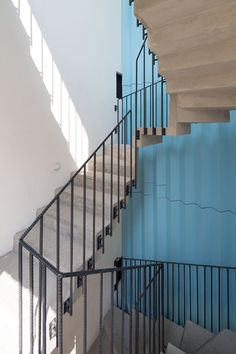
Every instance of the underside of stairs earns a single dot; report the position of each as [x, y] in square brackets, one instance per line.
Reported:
[195, 45]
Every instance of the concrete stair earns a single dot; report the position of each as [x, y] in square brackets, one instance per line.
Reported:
[177, 340]
[171, 349]
[223, 343]
[9, 263]
[194, 42]
[194, 337]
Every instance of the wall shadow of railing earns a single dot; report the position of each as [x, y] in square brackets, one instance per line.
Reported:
[62, 106]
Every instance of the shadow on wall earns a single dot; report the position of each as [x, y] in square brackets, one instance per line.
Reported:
[62, 106]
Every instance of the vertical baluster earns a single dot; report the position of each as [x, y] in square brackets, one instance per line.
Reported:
[152, 114]
[154, 309]
[111, 191]
[20, 279]
[178, 295]
[101, 316]
[173, 292]
[71, 244]
[57, 248]
[137, 314]
[159, 308]
[163, 306]
[131, 317]
[84, 218]
[211, 299]
[205, 290]
[125, 161]
[122, 124]
[156, 106]
[44, 307]
[219, 300]
[167, 104]
[149, 308]
[122, 312]
[103, 198]
[136, 100]
[85, 314]
[94, 207]
[197, 294]
[58, 232]
[150, 106]
[131, 154]
[118, 175]
[228, 292]
[144, 309]
[190, 292]
[40, 284]
[31, 285]
[185, 307]
[59, 314]
[112, 314]
[141, 109]
[144, 90]
[167, 292]
[162, 104]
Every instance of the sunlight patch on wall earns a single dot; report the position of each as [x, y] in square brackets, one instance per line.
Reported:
[62, 106]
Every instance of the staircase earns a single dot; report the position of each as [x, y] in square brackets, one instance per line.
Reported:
[188, 340]
[63, 259]
[194, 43]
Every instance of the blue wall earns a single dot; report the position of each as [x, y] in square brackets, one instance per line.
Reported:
[185, 206]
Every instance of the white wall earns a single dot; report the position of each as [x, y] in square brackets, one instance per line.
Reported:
[56, 99]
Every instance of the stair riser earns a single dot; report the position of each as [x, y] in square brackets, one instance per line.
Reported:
[201, 56]
[221, 81]
[122, 169]
[79, 181]
[202, 116]
[210, 99]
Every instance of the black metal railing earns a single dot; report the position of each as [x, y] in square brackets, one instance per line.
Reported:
[71, 229]
[204, 294]
[128, 303]
[147, 291]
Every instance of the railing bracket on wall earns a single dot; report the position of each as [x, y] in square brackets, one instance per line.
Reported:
[79, 282]
[90, 263]
[67, 306]
[53, 329]
[99, 242]
[108, 230]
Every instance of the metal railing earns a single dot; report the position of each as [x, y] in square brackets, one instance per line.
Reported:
[204, 294]
[128, 300]
[63, 226]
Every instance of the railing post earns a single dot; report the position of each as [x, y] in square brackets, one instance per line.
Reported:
[162, 307]
[60, 314]
[20, 279]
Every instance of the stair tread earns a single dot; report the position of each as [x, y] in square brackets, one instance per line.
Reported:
[173, 333]
[194, 337]
[49, 248]
[171, 349]
[222, 343]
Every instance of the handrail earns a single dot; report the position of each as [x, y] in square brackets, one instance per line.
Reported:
[73, 177]
[140, 90]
